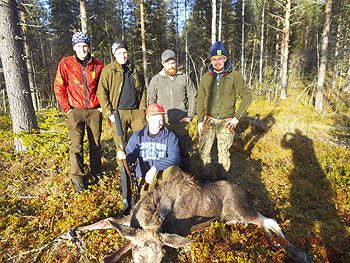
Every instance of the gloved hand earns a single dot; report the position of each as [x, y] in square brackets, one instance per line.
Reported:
[111, 118]
[150, 174]
[121, 155]
[200, 127]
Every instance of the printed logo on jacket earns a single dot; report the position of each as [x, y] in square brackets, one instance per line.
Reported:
[152, 150]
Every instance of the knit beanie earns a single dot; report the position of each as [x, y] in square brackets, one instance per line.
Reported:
[80, 37]
[118, 44]
[217, 50]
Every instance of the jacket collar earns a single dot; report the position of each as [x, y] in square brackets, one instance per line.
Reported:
[163, 73]
[227, 69]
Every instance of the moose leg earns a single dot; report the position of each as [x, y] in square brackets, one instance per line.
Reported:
[269, 224]
[102, 224]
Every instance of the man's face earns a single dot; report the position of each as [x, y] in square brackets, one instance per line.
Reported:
[121, 55]
[218, 63]
[170, 66]
[82, 50]
[155, 123]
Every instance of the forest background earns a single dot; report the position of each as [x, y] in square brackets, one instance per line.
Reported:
[291, 152]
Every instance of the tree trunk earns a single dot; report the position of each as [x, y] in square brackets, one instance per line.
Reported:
[16, 77]
[262, 42]
[347, 82]
[27, 53]
[220, 20]
[285, 50]
[83, 17]
[143, 37]
[324, 48]
[213, 21]
[242, 45]
[337, 52]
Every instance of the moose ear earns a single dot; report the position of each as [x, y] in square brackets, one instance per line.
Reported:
[125, 231]
[174, 241]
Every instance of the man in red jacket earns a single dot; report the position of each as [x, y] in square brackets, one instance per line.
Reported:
[75, 88]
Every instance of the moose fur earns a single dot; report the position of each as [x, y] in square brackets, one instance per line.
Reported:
[176, 208]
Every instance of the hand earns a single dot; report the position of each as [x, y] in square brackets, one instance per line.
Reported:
[150, 174]
[121, 155]
[232, 123]
[186, 119]
[111, 118]
[69, 111]
[200, 127]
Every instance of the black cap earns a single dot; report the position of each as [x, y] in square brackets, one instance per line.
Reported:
[118, 44]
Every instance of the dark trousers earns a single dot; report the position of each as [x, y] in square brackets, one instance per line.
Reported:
[77, 121]
[185, 143]
[135, 120]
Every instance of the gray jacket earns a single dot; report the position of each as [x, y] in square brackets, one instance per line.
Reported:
[177, 95]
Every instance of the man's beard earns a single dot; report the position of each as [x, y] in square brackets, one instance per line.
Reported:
[171, 71]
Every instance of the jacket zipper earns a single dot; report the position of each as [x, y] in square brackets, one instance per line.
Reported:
[85, 88]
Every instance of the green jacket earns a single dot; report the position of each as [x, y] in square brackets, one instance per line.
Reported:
[177, 95]
[218, 99]
[110, 84]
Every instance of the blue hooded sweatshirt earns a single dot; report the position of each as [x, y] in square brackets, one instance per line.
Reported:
[161, 151]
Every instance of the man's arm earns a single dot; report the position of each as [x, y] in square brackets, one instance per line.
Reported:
[245, 94]
[191, 95]
[152, 92]
[103, 94]
[60, 88]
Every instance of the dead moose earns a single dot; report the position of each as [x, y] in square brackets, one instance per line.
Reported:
[176, 208]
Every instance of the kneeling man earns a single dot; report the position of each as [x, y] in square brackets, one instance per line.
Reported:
[155, 147]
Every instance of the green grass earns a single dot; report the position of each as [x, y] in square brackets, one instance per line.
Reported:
[294, 171]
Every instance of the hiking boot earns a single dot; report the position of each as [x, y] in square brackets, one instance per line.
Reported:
[79, 186]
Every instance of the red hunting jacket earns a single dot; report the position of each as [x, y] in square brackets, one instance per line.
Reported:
[75, 85]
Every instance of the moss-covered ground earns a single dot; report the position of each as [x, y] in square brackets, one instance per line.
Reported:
[293, 162]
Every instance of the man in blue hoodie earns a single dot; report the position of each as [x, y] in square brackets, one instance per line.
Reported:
[155, 147]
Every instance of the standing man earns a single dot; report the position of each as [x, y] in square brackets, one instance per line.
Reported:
[75, 88]
[216, 109]
[175, 91]
[121, 88]
[155, 147]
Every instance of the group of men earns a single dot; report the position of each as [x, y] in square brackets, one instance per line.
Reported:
[158, 118]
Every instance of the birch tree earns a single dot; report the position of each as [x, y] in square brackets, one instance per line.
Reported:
[143, 39]
[262, 42]
[213, 22]
[16, 77]
[243, 40]
[285, 49]
[323, 63]
[83, 17]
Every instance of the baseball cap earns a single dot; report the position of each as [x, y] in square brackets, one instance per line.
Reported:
[168, 54]
[154, 109]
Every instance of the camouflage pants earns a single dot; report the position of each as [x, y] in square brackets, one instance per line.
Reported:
[216, 129]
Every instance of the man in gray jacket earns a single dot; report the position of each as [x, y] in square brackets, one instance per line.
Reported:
[175, 91]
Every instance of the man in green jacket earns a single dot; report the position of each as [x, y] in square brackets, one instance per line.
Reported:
[175, 91]
[216, 109]
[121, 88]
